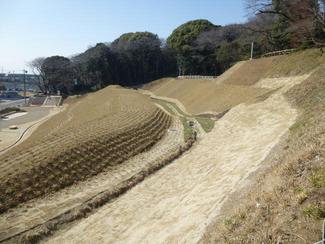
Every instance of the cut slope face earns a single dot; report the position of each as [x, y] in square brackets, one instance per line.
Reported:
[176, 204]
[102, 129]
[200, 96]
[236, 85]
[249, 72]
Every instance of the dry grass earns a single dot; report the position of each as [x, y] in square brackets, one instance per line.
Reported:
[297, 63]
[287, 203]
[100, 130]
[206, 123]
[201, 96]
[250, 72]
[294, 64]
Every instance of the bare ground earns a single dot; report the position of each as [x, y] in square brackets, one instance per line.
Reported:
[176, 204]
[286, 203]
[39, 211]
[89, 136]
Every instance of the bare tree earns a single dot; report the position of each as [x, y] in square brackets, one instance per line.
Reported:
[319, 14]
[36, 67]
[305, 17]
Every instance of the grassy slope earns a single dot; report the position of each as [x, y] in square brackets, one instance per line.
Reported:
[298, 63]
[206, 123]
[199, 96]
[290, 195]
[287, 65]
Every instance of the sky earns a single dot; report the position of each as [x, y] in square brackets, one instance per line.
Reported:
[42, 28]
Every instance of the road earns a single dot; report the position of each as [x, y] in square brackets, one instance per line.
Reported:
[33, 116]
[15, 103]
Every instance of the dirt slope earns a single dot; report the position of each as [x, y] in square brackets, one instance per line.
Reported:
[176, 204]
[39, 211]
[102, 129]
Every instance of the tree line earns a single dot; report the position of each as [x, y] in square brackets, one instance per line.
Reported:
[197, 47]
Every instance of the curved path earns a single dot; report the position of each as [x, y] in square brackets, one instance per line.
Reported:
[10, 138]
[176, 204]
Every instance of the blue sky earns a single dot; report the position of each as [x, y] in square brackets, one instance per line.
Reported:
[34, 28]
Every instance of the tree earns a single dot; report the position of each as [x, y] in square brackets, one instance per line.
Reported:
[141, 53]
[319, 14]
[228, 54]
[223, 46]
[58, 74]
[132, 59]
[36, 66]
[297, 22]
[2, 87]
[183, 41]
[184, 36]
[96, 67]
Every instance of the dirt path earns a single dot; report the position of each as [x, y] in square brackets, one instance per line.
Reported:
[176, 204]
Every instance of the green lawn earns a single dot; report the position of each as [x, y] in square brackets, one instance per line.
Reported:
[206, 123]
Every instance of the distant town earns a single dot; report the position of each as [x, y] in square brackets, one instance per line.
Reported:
[11, 83]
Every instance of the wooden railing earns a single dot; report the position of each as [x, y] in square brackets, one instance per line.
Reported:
[281, 52]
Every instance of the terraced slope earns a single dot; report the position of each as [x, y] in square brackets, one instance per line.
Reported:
[176, 204]
[100, 130]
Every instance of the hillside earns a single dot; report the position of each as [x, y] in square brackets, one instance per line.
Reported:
[257, 177]
[286, 202]
[204, 96]
[236, 85]
[100, 130]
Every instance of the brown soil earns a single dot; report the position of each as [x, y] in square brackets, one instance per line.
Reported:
[100, 130]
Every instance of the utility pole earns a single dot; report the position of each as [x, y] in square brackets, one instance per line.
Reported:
[252, 50]
[25, 72]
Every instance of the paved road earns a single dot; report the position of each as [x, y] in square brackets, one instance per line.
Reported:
[33, 114]
[15, 103]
